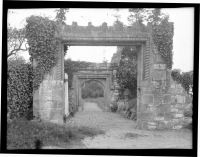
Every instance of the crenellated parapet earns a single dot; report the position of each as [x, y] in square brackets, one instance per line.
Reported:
[70, 33]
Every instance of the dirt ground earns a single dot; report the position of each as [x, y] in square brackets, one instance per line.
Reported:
[121, 133]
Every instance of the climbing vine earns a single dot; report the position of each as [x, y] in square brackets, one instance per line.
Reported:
[162, 30]
[185, 79]
[40, 33]
[162, 34]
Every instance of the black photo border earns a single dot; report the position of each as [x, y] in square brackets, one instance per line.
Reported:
[12, 4]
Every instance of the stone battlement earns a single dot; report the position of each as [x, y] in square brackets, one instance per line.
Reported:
[73, 32]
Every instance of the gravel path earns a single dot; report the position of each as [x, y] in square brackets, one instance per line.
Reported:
[122, 133]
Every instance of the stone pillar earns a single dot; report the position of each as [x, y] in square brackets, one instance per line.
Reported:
[49, 98]
[66, 96]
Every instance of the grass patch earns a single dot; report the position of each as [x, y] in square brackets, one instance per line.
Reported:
[23, 134]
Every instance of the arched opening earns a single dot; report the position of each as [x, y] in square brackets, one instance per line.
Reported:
[92, 89]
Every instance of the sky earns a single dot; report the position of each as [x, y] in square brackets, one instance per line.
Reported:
[182, 40]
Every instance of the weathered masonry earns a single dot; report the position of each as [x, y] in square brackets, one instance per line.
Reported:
[101, 76]
[158, 105]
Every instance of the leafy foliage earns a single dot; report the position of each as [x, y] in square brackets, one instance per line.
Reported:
[16, 41]
[161, 28]
[185, 79]
[19, 89]
[137, 15]
[42, 46]
[60, 14]
[127, 71]
[72, 105]
[163, 39]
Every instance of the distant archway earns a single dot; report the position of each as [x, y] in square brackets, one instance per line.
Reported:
[92, 89]
[102, 77]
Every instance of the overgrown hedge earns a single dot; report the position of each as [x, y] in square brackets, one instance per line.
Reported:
[19, 90]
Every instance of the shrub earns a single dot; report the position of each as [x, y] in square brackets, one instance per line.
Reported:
[113, 107]
[72, 106]
[19, 89]
[127, 71]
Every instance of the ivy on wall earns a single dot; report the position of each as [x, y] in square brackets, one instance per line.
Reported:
[185, 79]
[162, 30]
[162, 34]
[43, 47]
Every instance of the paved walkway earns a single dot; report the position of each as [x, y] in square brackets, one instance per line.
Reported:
[90, 106]
[122, 133]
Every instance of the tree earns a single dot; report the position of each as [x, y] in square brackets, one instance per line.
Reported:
[16, 41]
[185, 79]
[161, 29]
[127, 71]
[153, 16]
[137, 15]
[60, 14]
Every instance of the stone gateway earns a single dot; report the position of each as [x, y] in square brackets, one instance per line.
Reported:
[159, 101]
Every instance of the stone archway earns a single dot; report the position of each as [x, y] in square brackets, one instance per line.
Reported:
[93, 95]
[154, 90]
[95, 84]
[103, 77]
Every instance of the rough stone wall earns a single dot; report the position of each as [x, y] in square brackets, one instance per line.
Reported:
[163, 101]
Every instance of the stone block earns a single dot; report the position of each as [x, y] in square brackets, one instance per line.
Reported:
[178, 86]
[160, 113]
[36, 103]
[174, 110]
[180, 99]
[151, 108]
[166, 122]
[161, 125]
[162, 108]
[146, 90]
[187, 120]
[44, 114]
[157, 100]
[176, 127]
[173, 99]
[147, 99]
[188, 99]
[159, 118]
[178, 115]
[159, 66]
[46, 104]
[172, 86]
[151, 127]
[159, 75]
[166, 99]
[156, 84]
[151, 123]
[175, 121]
[145, 116]
[179, 90]
[169, 115]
